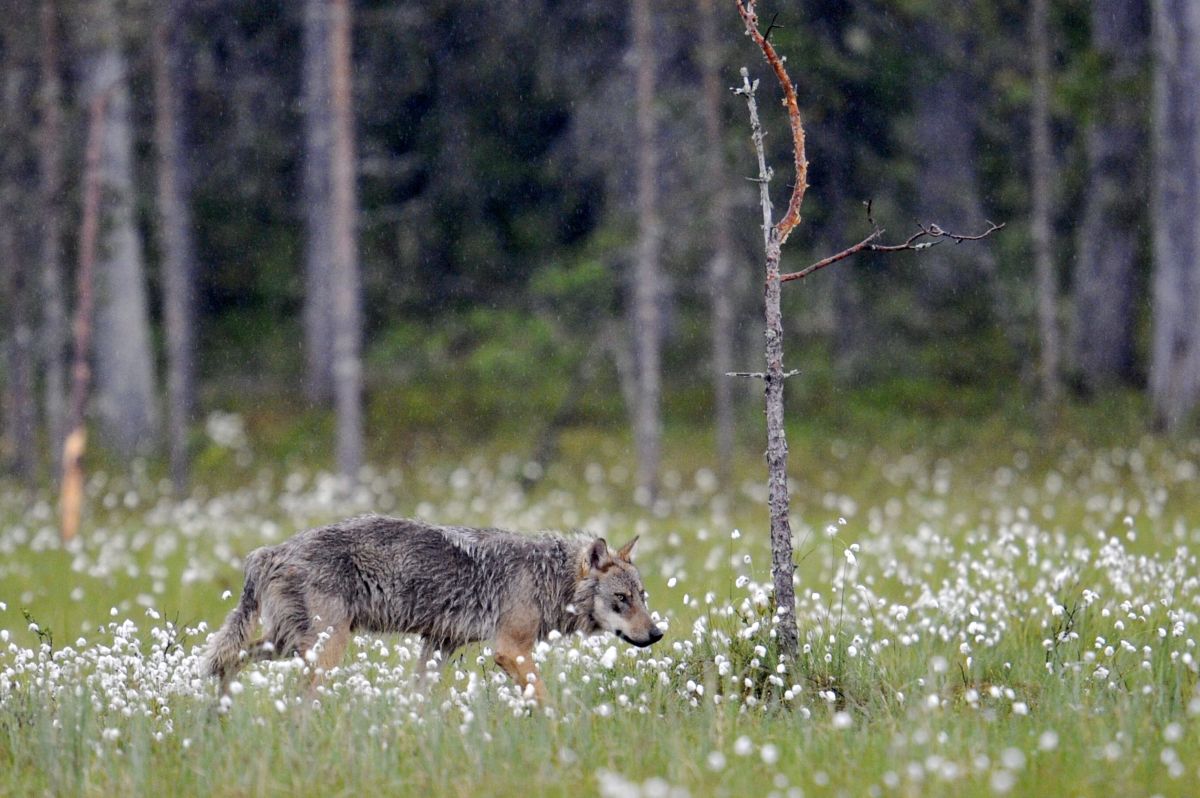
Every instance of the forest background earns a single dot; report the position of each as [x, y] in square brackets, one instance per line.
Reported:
[372, 228]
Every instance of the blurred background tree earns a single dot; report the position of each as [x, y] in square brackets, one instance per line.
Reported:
[519, 168]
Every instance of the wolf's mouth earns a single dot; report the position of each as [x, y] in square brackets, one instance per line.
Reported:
[639, 643]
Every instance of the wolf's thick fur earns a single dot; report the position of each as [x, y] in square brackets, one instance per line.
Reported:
[451, 585]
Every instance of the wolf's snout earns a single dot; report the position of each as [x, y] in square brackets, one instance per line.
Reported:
[656, 634]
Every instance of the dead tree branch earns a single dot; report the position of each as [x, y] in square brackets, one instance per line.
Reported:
[912, 243]
[792, 217]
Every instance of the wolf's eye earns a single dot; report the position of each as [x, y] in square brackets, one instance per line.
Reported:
[620, 598]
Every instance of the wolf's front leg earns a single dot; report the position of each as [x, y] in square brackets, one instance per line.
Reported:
[514, 653]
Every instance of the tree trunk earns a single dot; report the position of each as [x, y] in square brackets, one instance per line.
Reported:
[343, 230]
[20, 409]
[647, 321]
[50, 187]
[16, 273]
[175, 229]
[318, 201]
[1041, 187]
[75, 443]
[1104, 318]
[778, 500]
[1175, 355]
[721, 262]
[124, 369]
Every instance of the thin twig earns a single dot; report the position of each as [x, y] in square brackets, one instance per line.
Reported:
[792, 217]
[912, 243]
[756, 135]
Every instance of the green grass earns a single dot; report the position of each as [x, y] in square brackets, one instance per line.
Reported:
[963, 652]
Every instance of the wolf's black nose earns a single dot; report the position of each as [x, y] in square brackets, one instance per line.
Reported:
[655, 634]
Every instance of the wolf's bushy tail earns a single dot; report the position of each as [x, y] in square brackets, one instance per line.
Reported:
[224, 655]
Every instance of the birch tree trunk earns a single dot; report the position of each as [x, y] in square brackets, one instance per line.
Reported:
[721, 263]
[343, 230]
[647, 322]
[1041, 165]
[50, 212]
[1104, 312]
[124, 367]
[1175, 354]
[175, 230]
[318, 200]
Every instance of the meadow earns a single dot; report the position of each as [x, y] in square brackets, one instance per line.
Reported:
[985, 615]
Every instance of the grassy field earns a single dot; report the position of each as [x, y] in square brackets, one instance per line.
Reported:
[984, 614]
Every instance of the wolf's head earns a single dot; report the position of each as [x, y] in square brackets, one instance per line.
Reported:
[611, 592]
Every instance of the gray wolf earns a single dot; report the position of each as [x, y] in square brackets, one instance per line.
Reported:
[450, 585]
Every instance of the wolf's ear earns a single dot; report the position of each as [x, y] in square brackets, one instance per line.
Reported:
[626, 551]
[598, 554]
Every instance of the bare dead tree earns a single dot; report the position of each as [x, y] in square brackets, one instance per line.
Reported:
[175, 229]
[71, 501]
[774, 236]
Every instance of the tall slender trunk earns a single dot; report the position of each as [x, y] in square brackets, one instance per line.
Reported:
[778, 500]
[1041, 186]
[50, 185]
[721, 262]
[317, 198]
[175, 229]
[647, 327]
[124, 368]
[344, 278]
[1175, 354]
[75, 443]
[1114, 202]
[20, 411]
